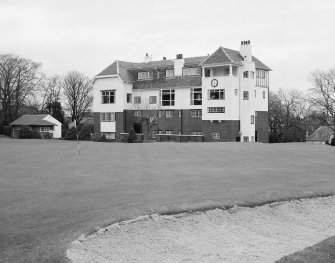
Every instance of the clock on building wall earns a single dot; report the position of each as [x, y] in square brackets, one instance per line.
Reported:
[214, 82]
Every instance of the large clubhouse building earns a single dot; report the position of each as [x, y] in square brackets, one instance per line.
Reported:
[219, 97]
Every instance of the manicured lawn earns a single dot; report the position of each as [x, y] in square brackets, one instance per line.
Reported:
[49, 195]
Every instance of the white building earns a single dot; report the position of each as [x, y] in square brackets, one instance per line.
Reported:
[222, 96]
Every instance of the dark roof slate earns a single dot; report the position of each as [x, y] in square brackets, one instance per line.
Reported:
[221, 55]
[321, 134]
[32, 120]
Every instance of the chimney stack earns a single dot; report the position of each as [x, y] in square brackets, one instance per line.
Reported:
[147, 58]
[246, 51]
[164, 58]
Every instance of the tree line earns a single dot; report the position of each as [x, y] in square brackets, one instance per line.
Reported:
[295, 114]
[25, 89]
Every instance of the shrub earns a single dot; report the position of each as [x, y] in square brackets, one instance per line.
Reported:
[7, 130]
[35, 135]
[71, 134]
[103, 138]
[131, 136]
[332, 142]
[96, 137]
[47, 136]
[25, 133]
[86, 131]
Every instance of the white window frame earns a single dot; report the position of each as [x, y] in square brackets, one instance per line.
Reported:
[107, 116]
[216, 109]
[245, 95]
[152, 99]
[216, 135]
[196, 113]
[137, 113]
[245, 138]
[168, 132]
[137, 100]
[169, 114]
[196, 96]
[191, 71]
[44, 129]
[167, 92]
[246, 74]
[108, 94]
[169, 73]
[221, 93]
[252, 119]
[144, 75]
[196, 133]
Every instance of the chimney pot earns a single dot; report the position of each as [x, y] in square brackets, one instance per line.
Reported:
[164, 58]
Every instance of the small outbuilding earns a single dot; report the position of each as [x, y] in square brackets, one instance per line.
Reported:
[44, 123]
[321, 135]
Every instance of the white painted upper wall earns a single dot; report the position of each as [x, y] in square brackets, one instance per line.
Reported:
[57, 131]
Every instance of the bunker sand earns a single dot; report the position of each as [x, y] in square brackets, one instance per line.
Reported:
[240, 234]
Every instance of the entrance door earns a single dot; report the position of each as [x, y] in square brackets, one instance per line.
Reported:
[255, 136]
[138, 127]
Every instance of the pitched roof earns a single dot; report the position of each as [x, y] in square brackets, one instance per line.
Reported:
[32, 120]
[226, 55]
[321, 134]
[221, 55]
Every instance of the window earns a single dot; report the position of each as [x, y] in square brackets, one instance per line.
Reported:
[191, 71]
[108, 96]
[226, 71]
[169, 132]
[246, 138]
[196, 133]
[160, 114]
[169, 73]
[109, 135]
[255, 93]
[44, 129]
[179, 113]
[263, 94]
[167, 97]
[216, 94]
[169, 114]
[260, 74]
[216, 109]
[252, 119]
[245, 95]
[107, 116]
[252, 74]
[153, 100]
[216, 135]
[196, 96]
[207, 72]
[144, 75]
[196, 113]
[137, 113]
[160, 132]
[137, 100]
[129, 100]
[245, 74]
[236, 92]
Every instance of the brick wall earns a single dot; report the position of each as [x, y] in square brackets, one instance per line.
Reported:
[190, 123]
[229, 130]
[262, 126]
[119, 125]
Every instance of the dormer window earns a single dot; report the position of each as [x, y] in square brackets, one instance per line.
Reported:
[191, 71]
[144, 75]
[169, 73]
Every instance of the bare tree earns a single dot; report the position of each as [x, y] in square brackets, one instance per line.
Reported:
[150, 116]
[323, 94]
[78, 96]
[287, 112]
[51, 90]
[19, 81]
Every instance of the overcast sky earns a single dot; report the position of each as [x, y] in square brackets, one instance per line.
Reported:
[291, 37]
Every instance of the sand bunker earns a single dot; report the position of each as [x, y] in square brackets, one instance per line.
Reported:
[261, 234]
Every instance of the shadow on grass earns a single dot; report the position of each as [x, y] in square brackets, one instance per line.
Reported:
[323, 252]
